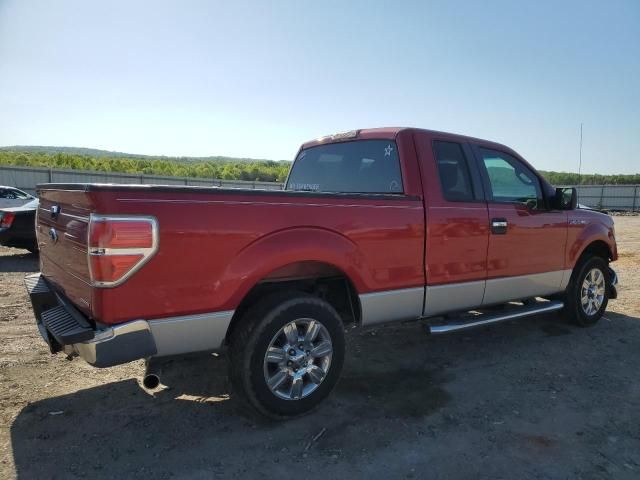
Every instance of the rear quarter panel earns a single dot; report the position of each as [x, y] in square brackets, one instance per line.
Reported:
[213, 248]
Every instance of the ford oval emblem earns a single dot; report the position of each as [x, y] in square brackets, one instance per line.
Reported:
[53, 235]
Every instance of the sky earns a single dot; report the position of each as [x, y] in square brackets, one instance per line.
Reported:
[256, 79]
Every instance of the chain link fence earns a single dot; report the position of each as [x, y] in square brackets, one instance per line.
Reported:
[26, 179]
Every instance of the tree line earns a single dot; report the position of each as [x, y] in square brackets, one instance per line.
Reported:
[564, 178]
[229, 169]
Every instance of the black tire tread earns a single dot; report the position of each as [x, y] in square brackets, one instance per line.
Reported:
[573, 309]
[244, 337]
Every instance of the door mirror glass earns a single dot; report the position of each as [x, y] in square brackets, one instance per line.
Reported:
[566, 198]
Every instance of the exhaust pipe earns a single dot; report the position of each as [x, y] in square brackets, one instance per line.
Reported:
[151, 379]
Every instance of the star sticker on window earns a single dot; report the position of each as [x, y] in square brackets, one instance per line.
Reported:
[387, 150]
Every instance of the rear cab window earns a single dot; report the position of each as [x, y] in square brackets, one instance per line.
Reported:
[453, 171]
[361, 166]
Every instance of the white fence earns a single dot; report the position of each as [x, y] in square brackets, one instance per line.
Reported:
[26, 178]
[610, 197]
[607, 197]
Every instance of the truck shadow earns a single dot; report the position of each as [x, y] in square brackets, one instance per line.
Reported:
[197, 427]
[20, 261]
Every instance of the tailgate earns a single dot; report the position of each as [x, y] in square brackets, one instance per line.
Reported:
[62, 230]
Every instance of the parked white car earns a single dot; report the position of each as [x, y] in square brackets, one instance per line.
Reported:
[12, 197]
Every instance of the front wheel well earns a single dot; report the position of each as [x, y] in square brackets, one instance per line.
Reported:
[596, 249]
[335, 289]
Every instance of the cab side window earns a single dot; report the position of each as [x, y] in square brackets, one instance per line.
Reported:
[510, 180]
[453, 171]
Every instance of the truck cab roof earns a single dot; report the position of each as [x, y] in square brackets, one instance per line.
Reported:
[392, 132]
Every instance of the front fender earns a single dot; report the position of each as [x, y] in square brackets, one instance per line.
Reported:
[284, 247]
[593, 232]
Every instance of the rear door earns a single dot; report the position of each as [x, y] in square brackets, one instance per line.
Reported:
[457, 224]
[527, 240]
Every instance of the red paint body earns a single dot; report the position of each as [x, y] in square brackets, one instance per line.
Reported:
[216, 244]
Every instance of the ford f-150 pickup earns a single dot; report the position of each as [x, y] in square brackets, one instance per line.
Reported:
[373, 226]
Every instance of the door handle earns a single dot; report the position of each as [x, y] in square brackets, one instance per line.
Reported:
[499, 226]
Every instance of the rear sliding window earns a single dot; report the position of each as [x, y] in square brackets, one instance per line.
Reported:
[363, 166]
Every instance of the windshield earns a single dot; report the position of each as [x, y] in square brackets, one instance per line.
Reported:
[363, 166]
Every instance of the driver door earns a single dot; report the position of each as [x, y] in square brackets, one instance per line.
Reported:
[526, 240]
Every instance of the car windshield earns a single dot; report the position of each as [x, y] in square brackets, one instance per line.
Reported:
[363, 166]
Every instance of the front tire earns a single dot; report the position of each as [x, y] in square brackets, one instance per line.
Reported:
[587, 295]
[287, 354]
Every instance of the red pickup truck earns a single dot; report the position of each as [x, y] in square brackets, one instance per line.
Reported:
[373, 226]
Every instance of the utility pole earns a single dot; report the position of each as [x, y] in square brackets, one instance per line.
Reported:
[580, 164]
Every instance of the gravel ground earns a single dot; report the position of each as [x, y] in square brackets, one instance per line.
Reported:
[538, 398]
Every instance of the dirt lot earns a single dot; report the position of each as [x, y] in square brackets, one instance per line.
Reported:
[537, 398]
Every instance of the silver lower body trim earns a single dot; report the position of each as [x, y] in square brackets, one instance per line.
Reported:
[500, 290]
[191, 333]
[391, 305]
[455, 296]
[407, 304]
[566, 276]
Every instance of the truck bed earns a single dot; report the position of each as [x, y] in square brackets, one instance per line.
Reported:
[215, 244]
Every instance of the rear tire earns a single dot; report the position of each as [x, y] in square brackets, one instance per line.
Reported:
[587, 294]
[286, 354]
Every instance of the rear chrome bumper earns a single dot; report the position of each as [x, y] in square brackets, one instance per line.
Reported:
[65, 329]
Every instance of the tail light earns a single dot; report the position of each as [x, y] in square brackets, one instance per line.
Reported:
[119, 247]
[6, 219]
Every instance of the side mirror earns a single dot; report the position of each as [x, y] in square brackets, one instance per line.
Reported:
[566, 198]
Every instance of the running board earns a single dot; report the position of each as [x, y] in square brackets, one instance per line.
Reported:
[488, 319]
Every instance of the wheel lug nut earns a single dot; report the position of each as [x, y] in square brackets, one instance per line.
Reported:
[292, 352]
[289, 363]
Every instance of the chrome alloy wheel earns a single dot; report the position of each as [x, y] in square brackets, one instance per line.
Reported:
[298, 359]
[592, 291]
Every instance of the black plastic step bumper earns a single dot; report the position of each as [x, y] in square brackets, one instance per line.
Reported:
[59, 323]
[66, 329]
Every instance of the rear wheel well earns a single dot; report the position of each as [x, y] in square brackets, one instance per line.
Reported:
[327, 283]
